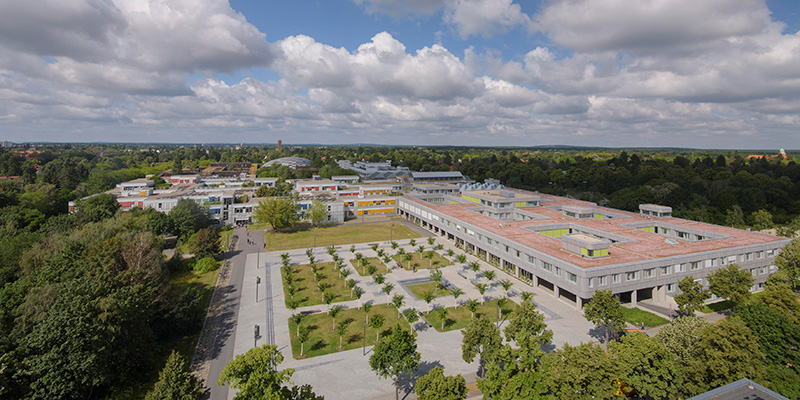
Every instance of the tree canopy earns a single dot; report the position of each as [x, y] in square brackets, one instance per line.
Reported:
[395, 356]
[280, 213]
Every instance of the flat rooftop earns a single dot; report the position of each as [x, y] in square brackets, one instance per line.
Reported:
[642, 246]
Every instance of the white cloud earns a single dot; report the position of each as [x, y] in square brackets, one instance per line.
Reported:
[484, 17]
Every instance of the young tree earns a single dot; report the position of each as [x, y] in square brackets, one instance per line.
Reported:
[480, 338]
[376, 322]
[648, 366]
[345, 273]
[436, 277]
[412, 242]
[411, 316]
[436, 386]
[367, 307]
[331, 251]
[386, 261]
[297, 319]
[407, 258]
[525, 296]
[357, 293]
[359, 257]
[278, 212]
[310, 255]
[352, 248]
[394, 245]
[394, 357]
[456, 292]
[441, 312]
[387, 289]
[175, 381]
[450, 252]
[374, 247]
[431, 241]
[604, 309]
[341, 329]
[255, 374]
[398, 301]
[730, 283]
[482, 287]
[506, 284]
[472, 306]
[302, 333]
[421, 249]
[429, 255]
[428, 297]
[462, 258]
[371, 269]
[327, 298]
[692, 295]
[350, 284]
[317, 212]
[489, 275]
[333, 312]
[475, 268]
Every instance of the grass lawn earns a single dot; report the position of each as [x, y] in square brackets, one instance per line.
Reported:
[421, 262]
[322, 340]
[225, 238]
[636, 316]
[459, 318]
[257, 226]
[337, 235]
[308, 293]
[373, 261]
[418, 290]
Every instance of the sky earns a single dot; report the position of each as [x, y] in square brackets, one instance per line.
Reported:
[614, 73]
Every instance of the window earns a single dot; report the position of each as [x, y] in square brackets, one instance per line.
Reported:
[762, 270]
[748, 257]
[558, 271]
[666, 270]
[591, 282]
[632, 276]
[615, 278]
[680, 268]
[753, 272]
[760, 254]
[670, 287]
[648, 273]
[547, 266]
[590, 253]
[771, 253]
[572, 277]
[517, 253]
[506, 246]
[531, 259]
[695, 265]
[601, 280]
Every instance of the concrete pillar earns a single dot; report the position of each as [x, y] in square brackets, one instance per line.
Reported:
[579, 302]
[557, 292]
[633, 297]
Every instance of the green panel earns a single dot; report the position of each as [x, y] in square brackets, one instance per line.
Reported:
[651, 229]
[547, 233]
[584, 252]
[560, 232]
[599, 216]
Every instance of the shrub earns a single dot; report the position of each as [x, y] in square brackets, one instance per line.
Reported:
[206, 264]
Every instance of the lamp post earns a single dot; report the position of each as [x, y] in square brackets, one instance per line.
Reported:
[391, 229]
[364, 348]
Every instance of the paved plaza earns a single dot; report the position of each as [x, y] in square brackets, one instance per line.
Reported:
[346, 374]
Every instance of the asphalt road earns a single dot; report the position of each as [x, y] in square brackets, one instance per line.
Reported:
[223, 345]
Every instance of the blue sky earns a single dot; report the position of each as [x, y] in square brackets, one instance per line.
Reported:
[717, 74]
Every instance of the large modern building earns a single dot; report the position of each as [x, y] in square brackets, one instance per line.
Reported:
[573, 248]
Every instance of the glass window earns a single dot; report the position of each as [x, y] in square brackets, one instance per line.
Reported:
[572, 277]
[670, 287]
[558, 271]
[666, 270]
[601, 280]
[632, 276]
[695, 265]
[615, 278]
[648, 273]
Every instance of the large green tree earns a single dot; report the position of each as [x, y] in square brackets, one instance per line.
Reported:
[395, 356]
[188, 217]
[255, 375]
[681, 337]
[206, 243]
[436, 386]
[317, 212]
[480, 338]
[280, 213]
[97, 208]
[647, 366]
[581, 372]
[176, 382]
[788, 261]
[692, 295]
[730, 283]
[604, 310]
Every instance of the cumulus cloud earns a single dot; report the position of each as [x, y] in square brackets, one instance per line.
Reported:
[484, 17]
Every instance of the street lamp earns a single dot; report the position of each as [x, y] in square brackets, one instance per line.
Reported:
[258, 281]
[391, 228]
[364, 348]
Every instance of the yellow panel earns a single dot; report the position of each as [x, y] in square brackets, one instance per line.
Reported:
[584, 252]
[601, 252]
[599, 216]
[520, 204]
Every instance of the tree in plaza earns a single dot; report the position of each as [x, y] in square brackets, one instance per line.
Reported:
[175, 381]
[297, 319]
[431, 241]
[371, 269]
[506, 284]
[436, 277]
[333, 312]
[254, 375]
[327, 298]
[379, 252]
[376, 322]
[317, 212]
[480, 338]
[310, 255]
[788, 262]
[482, 287]
[489, 275]
[352, 248]
[407, 257]
[428, 297]
[394, 245]
[302, 334]
[730, 283]
[525, 296]
[605, 310]
[285, 258]
[441, 312]
[367, 307]
[450, 252]
[315, 270]
[412, 242]
[292, 304]
[681, 337]
[280, 213]
[692, 296]
[475, 268]
[472, 306]
[341, 329]
[344, 272]
[647, 366]
[359, 257]
[398, 301]
[462, 258]
[387, 260]
[456, 292]
[330, 250]
[727, 351]
[436, 386]
[374, 247]
[379, 279]
[350, 284]
[581, 372]
[429, 255]
[205, 243]
[357, 293]
[387, 289]
[517, 373]
[411, 316]
[421, 249]
[396, 356]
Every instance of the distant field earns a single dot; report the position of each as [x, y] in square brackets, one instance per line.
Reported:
[337, 236]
